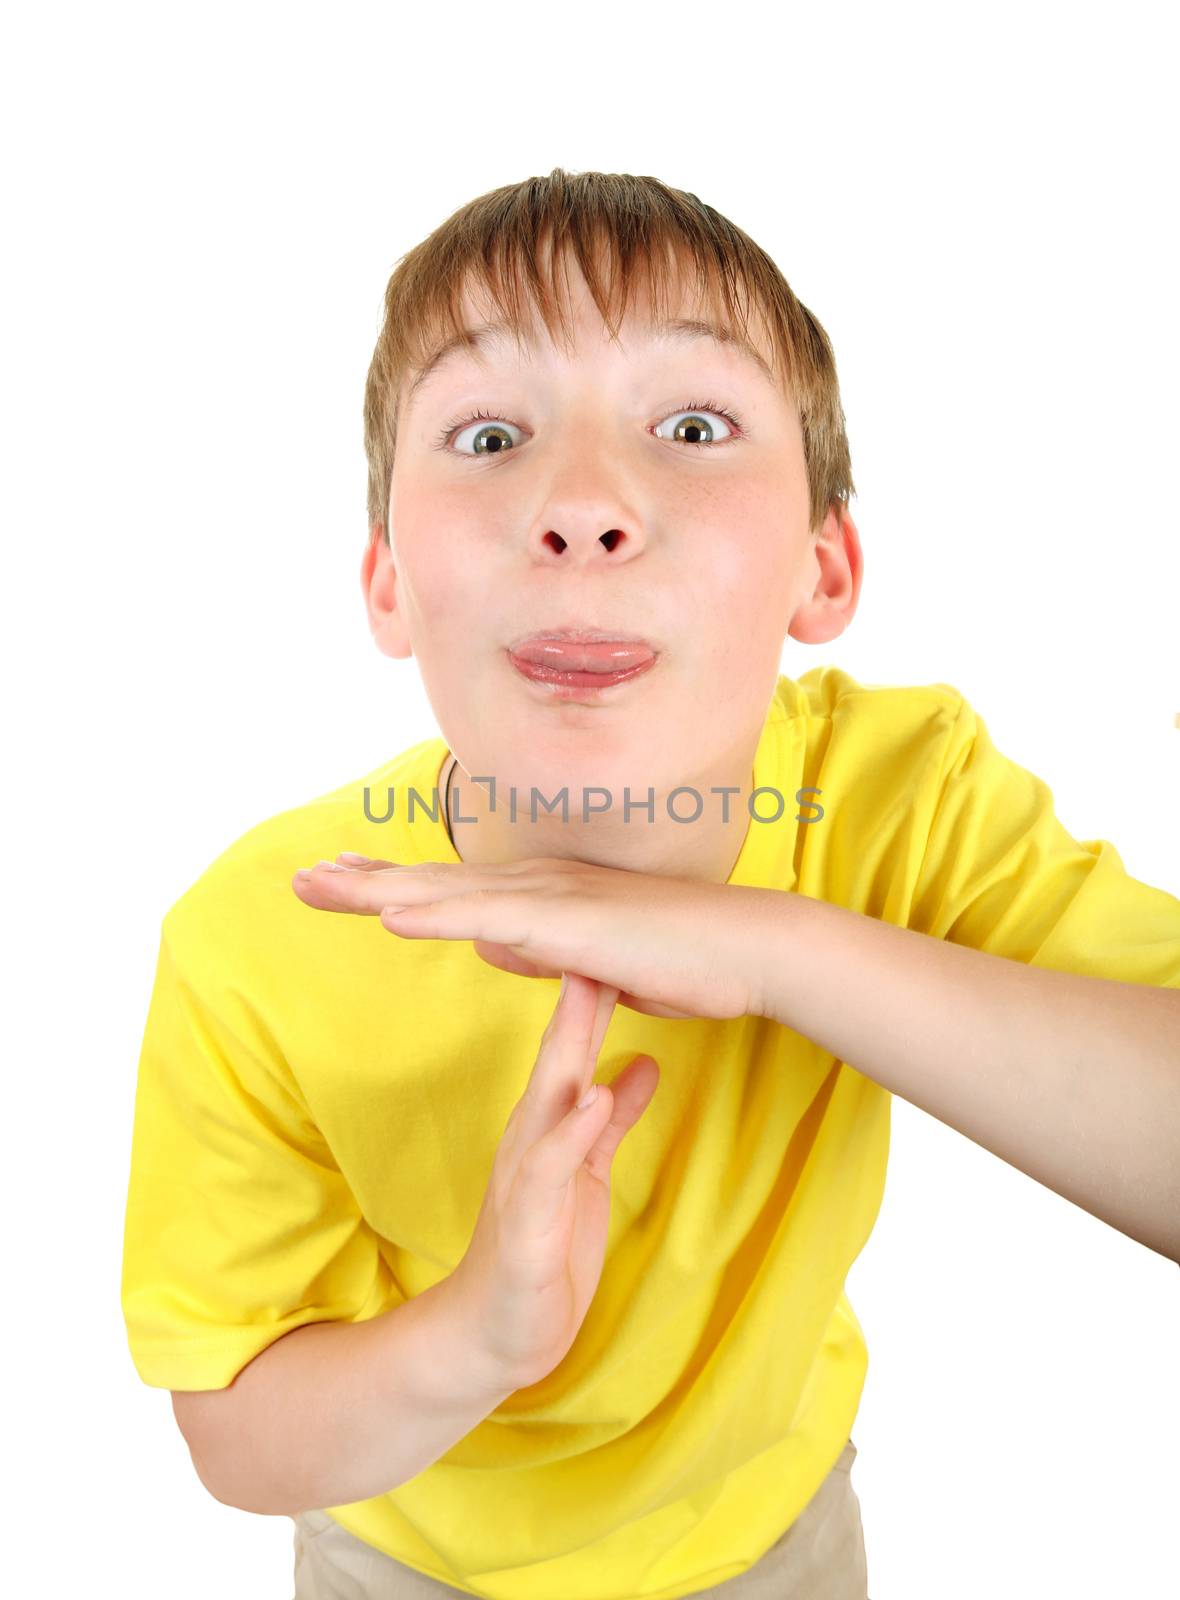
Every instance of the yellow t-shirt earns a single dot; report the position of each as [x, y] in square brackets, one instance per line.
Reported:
[319, 1103]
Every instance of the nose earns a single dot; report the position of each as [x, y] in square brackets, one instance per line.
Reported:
[585, 520]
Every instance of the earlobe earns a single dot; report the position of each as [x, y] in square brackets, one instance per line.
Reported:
[379, 587]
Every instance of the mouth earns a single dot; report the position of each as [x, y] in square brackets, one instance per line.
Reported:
[571, 661]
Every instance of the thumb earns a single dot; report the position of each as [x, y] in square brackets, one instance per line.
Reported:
[632, 1091]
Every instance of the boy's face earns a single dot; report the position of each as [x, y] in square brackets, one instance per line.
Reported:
[596, 513]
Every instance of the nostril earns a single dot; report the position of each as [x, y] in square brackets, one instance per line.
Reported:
[610, 539]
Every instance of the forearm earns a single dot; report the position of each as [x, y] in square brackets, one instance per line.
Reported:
[1074, 1080]
[336, 1412]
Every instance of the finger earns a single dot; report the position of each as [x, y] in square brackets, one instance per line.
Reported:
[548, 1167]
[502, 869]
[502, 915]
[330, 887]
[559, 1072]
[586, 1137]
[604, 1010]
[631, 1091]
[607, 1000]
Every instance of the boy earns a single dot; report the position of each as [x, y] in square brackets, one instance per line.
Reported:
[376, 1251]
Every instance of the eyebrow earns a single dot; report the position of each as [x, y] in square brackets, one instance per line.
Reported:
[479, 340]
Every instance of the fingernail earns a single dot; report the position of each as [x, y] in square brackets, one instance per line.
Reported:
[353, 859]
[589, 1097]
[331, 866]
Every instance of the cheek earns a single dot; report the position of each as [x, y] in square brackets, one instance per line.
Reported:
[745, 579]
[444, 587]
[744, 557]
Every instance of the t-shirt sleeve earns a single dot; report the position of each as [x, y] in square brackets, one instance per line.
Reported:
[1000, 873]
[239, 1224]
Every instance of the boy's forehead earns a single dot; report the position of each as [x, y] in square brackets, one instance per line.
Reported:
[685, 316]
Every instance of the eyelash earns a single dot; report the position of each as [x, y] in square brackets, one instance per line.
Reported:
[730, 417]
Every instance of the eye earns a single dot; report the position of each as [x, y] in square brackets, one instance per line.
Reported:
[495, 437]
[695, 423]
[492, 436]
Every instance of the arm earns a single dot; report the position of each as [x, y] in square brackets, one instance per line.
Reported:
[1074, 1080]
[336, 1412]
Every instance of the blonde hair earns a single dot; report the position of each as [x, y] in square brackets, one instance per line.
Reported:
[497, 241]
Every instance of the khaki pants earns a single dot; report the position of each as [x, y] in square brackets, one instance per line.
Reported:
[820, 1557]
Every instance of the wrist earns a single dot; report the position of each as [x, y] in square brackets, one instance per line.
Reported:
[487, 1370]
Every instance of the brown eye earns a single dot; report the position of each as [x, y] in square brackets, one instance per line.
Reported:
[490, 436]
[696, 424]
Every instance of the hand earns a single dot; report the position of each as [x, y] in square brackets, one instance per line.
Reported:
[536, 1254]
[672, 947]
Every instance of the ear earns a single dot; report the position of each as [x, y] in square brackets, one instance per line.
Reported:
[379, 586]
[832, 604]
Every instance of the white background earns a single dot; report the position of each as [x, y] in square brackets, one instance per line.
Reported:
[203, 206]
